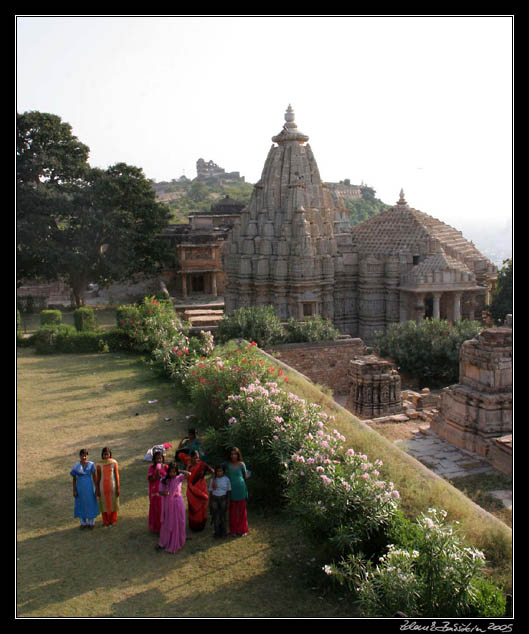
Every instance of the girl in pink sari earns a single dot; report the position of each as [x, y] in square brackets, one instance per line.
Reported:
[173, 517]
[156, 472]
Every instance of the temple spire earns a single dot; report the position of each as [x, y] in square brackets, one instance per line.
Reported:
[290, 130]
[402, 200]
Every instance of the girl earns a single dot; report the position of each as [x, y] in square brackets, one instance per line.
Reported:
[156, 472]
[108, 487]
[219, 488]
[84, 486]
[236, 472]
[187, 446]
[197, 492]
[173, 518]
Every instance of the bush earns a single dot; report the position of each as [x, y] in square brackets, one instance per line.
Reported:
[268, 425]
[257, 323]
[314, 328]
[85, 319]
[428, 350]
[151, 325]
[434, 576]
[339, 494]
[50, 317]
[47, 339]
[210, 381]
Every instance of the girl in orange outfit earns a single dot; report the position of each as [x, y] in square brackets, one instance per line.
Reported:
[107, 479]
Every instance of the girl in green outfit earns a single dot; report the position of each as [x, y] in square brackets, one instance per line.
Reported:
[237, 473]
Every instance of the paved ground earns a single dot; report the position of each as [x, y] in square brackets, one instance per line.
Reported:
[448, 461]
[440, 456]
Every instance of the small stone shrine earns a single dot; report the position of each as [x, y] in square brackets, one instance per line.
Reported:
[477, 411]
[375, 387]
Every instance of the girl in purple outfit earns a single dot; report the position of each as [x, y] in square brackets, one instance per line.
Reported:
[173, 518]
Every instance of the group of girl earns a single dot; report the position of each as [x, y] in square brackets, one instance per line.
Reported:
[224, 495]
[96, 489]
[225, 490]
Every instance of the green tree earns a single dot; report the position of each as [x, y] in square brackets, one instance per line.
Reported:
[502, 296]
[78, 223]
[112, 231]
[50, 163]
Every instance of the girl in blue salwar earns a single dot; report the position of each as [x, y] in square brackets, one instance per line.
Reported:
[86, 506]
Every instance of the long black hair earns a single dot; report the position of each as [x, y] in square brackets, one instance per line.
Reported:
[170, 466]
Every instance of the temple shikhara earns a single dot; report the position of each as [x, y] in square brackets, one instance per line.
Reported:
[292, 247]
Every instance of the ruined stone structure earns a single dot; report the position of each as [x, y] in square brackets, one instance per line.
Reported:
[198, 248]
[477, 412]
[374, 387]
[210, 170]
[293, 249]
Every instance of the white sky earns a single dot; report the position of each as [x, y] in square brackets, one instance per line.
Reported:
[418, 102]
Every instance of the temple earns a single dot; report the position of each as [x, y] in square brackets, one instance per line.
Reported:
[292, 247]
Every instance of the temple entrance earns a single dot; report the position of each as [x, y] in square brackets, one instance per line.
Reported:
[197, 283]
[428, 307]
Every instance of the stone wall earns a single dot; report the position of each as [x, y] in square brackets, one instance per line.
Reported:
[325, 362]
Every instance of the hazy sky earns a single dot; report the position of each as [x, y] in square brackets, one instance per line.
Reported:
[418, 102]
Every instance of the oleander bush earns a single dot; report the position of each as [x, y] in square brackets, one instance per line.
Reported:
[436, 575]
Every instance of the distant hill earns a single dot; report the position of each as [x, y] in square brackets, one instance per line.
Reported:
[360, 200]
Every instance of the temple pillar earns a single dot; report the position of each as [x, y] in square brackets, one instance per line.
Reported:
[214, 283]
[184, 284]
[457, 306]
[436, 305]
[419, 307]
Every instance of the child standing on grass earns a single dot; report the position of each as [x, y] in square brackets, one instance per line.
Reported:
[86, 507]
[219, 488]
[237, 473]
[173, 518]
[157, 471]
[107, 480]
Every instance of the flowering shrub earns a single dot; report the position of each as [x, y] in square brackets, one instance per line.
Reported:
[338, 493]
[211, 380]
[441, 576]
[268, 425]
[154, 327]
[151, 324]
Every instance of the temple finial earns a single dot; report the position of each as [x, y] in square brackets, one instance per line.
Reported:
[402, 200]
[290, 130]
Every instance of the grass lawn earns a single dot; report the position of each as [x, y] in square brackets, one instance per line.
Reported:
[66, 402]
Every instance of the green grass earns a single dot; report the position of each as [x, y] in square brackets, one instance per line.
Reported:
[65, 402]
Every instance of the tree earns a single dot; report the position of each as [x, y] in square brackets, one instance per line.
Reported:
[113, 229]
[50, 162]
[502, 296]
[79, 223]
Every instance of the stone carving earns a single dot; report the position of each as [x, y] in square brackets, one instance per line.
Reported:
[375, 387]
[478, 410]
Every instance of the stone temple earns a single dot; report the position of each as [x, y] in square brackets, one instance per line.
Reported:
[293, 248]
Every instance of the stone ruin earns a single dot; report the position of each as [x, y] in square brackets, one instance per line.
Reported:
[476, 413]
[375, 387]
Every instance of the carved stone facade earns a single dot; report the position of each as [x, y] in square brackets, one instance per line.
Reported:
[375, 387]
[477, 412]
[294, 249]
